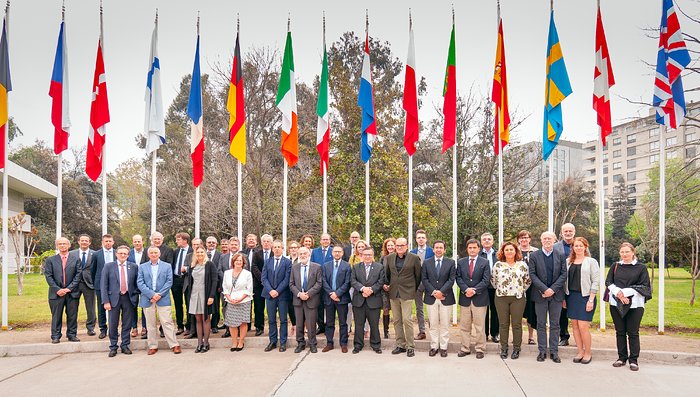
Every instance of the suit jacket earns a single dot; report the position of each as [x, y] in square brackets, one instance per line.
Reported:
[243, 286]
[317, 255]
[132, 256]
[403, 284]
[86, 276]
[53, 272]
[480, 281]
[482, 254]
[538, 274]
[375, 281]
[442, 282]
[256, 268]
[97, 266]
[428, 253]
[277, 280]
[314, 284]
[347, 251]
[164, 282]
[211, 284]
[166, 254]
[110, 287]
[342, 282]
[186, 262]
[215, 260]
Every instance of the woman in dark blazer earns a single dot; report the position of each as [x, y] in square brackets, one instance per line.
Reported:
[202, 282]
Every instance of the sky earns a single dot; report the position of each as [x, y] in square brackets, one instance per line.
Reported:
[128, 25]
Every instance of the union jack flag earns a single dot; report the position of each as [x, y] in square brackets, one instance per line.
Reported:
[672, 59]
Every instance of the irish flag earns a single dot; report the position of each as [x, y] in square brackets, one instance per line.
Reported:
[323, 131]
[287, 104]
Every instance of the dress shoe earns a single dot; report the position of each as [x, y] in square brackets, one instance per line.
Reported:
[258, 332]
[515, 355]
[462, 353]
[91, 332]
[355, 351]
[313, 349]
[126, 350]
[134, 332]
[577, 360]
[541, 357]
[226, 334]
[432, 352]
[504, 354]
[443, 353]
[618, 363]
[586, 361]
[177, 349]
[162, 335]
[420, 336]
[54, 341]
[495, 339]
[103, 334]
[205, 348]
[73, 339]
[344, 349]
[410, 352]
[144, 335]
[555, 358]
[179, 331]
[299, 348]
[198, 349]
[386, 334]
[144, 332]
[283, 348]
[152, 351]
[214, 330]
[112, 353]
[234, 349]
[222, 327]
[398, 350]
[191, 336]
[564, 342]
[270, 347]
[378, 350]
[479, 355]
[327, 348]
[634, 367]
[239, 348]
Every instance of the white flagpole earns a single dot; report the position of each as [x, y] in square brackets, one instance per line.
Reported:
[239, 207]
[550, 201]
[59, 195]
[367, 239]
[601, 228]
[104, 187]
[5, 198]
[284, 205]
[500, 197]
[154, 169]
[662, 224]
[325, 199]
[196, 212]
[410, 202]
[455, 254]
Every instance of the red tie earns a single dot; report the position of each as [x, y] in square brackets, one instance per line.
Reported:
[122, 284]
[471, 267]
[64, 261]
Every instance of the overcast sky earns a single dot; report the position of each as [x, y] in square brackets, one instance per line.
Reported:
[128, 25]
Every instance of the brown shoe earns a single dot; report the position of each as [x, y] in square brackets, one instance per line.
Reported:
[327, 348]
[177, 349]
[479, 355]
[152, 351]
[344, 349]
[420, 336]
[134, 332]
[144, 332]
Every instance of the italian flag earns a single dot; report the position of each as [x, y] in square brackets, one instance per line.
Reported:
[323, 131]
[287, 104]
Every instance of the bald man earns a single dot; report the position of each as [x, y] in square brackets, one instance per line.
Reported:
[63, 277]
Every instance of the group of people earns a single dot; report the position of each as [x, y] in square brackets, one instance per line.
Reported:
[313, 286]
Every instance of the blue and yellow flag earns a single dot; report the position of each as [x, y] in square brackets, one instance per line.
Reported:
[557, 88]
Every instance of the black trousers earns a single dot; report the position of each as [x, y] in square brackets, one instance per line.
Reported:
[321, 318]
[259, 310]
[342, 310]
[88, 295]
[215, 314]
[361, 314]
[178, 299]
[491, 325]
[70, 305]
[564, 325]
[627, 328]
[124, 309]
[101, 313]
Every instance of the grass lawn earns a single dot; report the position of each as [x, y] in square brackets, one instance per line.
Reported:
[32, 308]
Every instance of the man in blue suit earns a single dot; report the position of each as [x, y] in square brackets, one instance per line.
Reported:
[154, 281]
[63, 276]
[336, 297]
[473, 279]
[120, 296]
[275, 280]
[138, 255]
[424, 252]
[322, 255]
[99, 258]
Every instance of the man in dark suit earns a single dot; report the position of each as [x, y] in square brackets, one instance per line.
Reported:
[259, 259]
[489, 253]
[213, 255]
[336, 297]
[348, 249]
[99, 258]
[548, 274]
[438, 276]
[367, 278]
[306, 286]
[568, 233]
[120, 296]
[86, 288]
[166, 253]
[403, 276]
[321, 255]
[138, 255]
[424, 252]
[179, 267]
[275, 279]
[63, 277]
[473, 279]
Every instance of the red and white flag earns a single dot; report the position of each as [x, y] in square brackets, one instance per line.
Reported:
[410, 99]
[603, 79]
[99, 116]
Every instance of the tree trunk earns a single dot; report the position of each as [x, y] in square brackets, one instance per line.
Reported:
[20, 281]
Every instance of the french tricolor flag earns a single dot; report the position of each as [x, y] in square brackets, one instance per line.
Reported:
[58, 91]
[194, 112]
[365, 100]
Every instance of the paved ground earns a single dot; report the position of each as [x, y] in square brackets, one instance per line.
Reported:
[254, 373]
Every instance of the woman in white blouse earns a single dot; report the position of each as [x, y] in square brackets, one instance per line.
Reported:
[237, 288]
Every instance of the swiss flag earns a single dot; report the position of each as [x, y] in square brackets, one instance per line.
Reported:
[99, 117]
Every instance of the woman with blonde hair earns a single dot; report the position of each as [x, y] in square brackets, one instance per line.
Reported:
[581, 288]
[202, 283]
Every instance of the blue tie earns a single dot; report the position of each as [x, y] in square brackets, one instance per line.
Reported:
[83, 262]
[335, 275]
[303, 279]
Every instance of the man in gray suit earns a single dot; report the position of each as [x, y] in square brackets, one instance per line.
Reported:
[548, 273]
[63, 276]
[367, 279]
[403, 277]
[306, 284]
[86, 288]
[473, 279]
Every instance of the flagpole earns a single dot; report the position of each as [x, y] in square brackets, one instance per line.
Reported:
[5, 195]
[154, 179]
[410, 202]
[455, 244]
[59, 195]
[367, 236]
[284, 203]
[239, 207]
[662, 223]
[601, 226]
[325, 199]
[104, 145]
[500, 154]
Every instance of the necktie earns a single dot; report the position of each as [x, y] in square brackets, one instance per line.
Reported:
[324, 253]
[122, 282]
[368, 268]
[83, 261]
[274, 272]
[267, 255]
[471, 267]
[303, 279]
[335, 275]
[64, 261]
[437, 267]
[180, 261]
[210, 254]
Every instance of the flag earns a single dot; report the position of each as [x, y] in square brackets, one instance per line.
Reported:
[365, 100]
[154, 121]
[58, 91]
[99, 116]
[557, 88]
[499, 95]
[449, 93]
[410, 99]
[603, 79]
[194, 111]
[236, 108]
[323, 130]
[672, 59]
[5, 88]
[287, 104]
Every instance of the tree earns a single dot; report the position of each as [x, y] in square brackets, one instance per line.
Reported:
[620, 211]
[24, 244]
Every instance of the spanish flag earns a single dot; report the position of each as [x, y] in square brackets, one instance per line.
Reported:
[499, 95]
[236, 108]
[5, 88]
